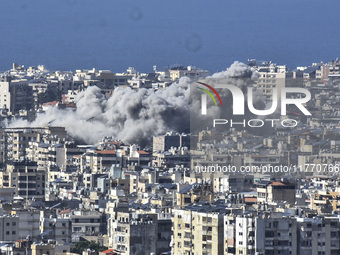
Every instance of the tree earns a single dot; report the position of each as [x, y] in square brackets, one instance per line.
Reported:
[84, 245]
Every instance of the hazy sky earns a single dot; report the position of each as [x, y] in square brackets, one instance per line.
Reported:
[114, 34]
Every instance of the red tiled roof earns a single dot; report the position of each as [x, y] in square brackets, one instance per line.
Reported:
[50, 103]
[250, 199]
[142, 152]
[109, 251]
[277, 184]
[106, 152]
[21, 240]
[65, 211]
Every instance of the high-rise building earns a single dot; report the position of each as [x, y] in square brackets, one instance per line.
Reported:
[197, 231]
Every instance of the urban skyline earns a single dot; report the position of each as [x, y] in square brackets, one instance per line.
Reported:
[97, 162]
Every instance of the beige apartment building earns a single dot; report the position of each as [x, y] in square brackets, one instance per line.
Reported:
[133, 232]
[14, 141]
[271, 76]
[197, 232]
[23, 176]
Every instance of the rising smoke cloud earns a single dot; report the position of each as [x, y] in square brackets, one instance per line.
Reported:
[239, 75]
[236, 70]
[129, 115]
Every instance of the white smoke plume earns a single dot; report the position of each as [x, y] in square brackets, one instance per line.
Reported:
[129, 115]
[239, 75]
[236, 70]
[132, 116]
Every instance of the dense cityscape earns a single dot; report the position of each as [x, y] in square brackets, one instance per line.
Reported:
[80, 175]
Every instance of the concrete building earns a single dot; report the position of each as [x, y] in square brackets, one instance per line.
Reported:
[86, 222]
[271, 76]
[21, 96]
[325, 201]
[57, 229]
[23, 176]
[135, 233]
[197, 231]
[106, 78]
[276, 234]
[170, 139]
[99, 161]
[318, 235]
[14, 141]
[9, 227]
[192, 72]
[194, 193]
[232, 183]
[29, 223]
[43, 249]
[5, 96]
[267, 233]
[268, 192]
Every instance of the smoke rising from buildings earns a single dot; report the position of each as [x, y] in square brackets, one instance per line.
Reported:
[241, 76]
[134, 116]
[236, 70]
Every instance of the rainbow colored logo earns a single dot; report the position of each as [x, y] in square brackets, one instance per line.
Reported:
[209, 93]
[204, 97]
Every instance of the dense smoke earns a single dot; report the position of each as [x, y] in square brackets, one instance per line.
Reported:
[236, 70]
[238, 74]
[134, 116]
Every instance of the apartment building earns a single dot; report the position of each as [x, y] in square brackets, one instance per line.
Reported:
[134, 232]
[23, 176]
[275, 234]
[170, 139]
[192, 72]
[9, 227]
[14, 141]
[21, 95]
[197, 230]
[318, 235]
[58, 229]
[275, 191]
[325, 201]
[29, 223]
[97, 161]
[85, 222]
[231, 182]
